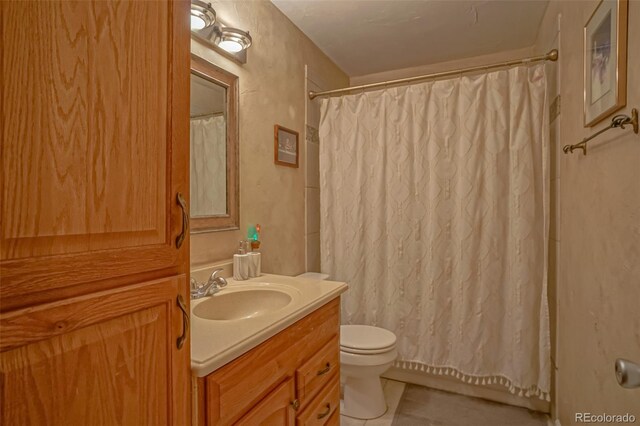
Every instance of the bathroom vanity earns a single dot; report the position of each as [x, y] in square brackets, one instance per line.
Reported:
[260, 362]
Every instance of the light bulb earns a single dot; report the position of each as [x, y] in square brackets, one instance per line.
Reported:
[197, 23]
[231, 46]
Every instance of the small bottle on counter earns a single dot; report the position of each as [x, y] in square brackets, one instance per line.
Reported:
[241, 263]
[254, 264]
[255, 261]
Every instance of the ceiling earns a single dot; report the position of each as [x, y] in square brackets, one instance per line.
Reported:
[369, 36]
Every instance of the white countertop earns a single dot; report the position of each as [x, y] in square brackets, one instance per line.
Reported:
[214, 343]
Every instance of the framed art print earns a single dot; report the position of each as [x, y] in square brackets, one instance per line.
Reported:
[605, 61]
[285, 146]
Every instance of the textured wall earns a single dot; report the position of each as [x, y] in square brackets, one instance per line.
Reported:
[598, 237]
[272, 91]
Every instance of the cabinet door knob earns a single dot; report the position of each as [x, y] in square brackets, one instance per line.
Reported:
[185, 219]
[326, 412]
[295, 404]
[185, 322]
[325, 370]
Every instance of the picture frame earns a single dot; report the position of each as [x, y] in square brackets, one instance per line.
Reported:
[605, 61]
[286, 147]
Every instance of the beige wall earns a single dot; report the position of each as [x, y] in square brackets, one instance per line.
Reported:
[598, 234]
[272, 91]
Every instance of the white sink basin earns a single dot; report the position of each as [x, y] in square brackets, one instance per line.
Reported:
[244, 314]
[241, 304]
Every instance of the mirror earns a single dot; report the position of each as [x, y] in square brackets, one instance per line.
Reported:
[213, 148]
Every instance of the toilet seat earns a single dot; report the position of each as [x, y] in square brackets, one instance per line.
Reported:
[366, 340]
[383, 358]
[367, 351]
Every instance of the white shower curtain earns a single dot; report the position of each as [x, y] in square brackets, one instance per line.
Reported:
[434, 208]
[208, 166]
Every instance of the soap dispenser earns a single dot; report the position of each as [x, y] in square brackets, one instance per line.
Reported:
[241, 263]
[255, 261]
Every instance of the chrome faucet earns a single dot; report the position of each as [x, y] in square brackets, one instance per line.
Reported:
[213, 285]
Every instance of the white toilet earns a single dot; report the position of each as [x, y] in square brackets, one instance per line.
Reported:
[365, 353]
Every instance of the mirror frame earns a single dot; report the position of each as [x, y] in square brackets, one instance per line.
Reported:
[230, 220]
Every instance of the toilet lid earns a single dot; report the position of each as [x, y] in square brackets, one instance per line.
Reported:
[365, 338]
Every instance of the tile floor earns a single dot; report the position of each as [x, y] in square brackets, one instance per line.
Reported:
[412, 405]
[392, 392]
[421, 406]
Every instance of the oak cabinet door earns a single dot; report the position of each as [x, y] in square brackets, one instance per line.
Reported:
[94, 145]
[275, 409]
[110, 358]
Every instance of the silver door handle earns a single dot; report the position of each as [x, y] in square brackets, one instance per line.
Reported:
[627, 373]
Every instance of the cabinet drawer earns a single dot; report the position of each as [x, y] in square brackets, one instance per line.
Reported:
[319, 411]
[314, 374]
[274, 410]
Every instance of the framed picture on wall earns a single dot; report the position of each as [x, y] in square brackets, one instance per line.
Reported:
[605, 61]
[286, 146]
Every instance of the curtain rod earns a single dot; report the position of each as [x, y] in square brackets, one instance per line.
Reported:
[551, 56]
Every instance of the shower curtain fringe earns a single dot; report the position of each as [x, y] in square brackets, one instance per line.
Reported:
[474, 379]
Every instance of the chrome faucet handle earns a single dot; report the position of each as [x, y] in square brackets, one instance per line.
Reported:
[193, 283]
[219, 281]
[196, 289]
[215, 282]
[212, 286]
[214, 275]
[222, 282]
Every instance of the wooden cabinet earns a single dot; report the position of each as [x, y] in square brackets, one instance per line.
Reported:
[94, 149]
[103, 359]
[304, 356]
[276, 409]
[95, 145]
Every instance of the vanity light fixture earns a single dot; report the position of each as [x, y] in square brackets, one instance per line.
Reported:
[233, 40]
[228, 41]
[202, 15]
